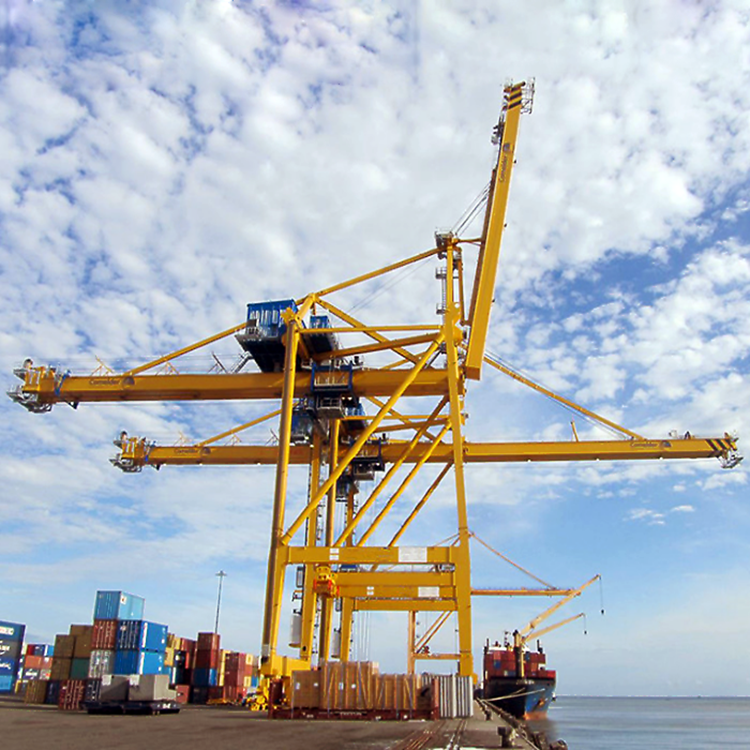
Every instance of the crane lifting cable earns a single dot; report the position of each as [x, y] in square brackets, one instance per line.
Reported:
[470, 213]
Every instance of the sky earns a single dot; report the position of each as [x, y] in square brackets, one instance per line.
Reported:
[165, 163]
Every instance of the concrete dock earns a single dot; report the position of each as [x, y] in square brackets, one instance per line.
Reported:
[29, 727]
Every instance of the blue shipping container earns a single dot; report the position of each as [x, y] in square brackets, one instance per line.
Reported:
[11, 631]
[8, 666]
[11, 642]
[142, 635]
[53, 692]
[205, 677]
[117, 605]
[139, 662]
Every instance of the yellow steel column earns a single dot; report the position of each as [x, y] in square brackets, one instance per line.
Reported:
[326, 613]
[276, 569]
[410, 660]
[310, 598]
[347, 603]
[463, 561]
[347, 613]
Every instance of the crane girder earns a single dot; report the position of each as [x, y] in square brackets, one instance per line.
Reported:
[46, 386]
[137, 453]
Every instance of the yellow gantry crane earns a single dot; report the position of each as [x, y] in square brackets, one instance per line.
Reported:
[353, 426]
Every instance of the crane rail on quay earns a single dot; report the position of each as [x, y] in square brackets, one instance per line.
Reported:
[351, 423]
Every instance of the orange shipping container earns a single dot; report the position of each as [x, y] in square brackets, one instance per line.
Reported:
[82, 648]
[33, 662]
[104, 635]
[36, 692]
[60, 668]
[64, 646]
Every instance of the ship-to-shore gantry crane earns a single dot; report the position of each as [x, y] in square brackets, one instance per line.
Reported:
[353, 425]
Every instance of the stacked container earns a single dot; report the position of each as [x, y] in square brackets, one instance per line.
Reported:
[206, 670]
[141, 648]
[70, 667]
[11, 642]
[37, 662]
[240, 675]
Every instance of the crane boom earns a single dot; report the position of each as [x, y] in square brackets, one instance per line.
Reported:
[44, 387]
[138, 452]
[517, 97]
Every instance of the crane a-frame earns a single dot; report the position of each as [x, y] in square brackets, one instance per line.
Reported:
[353, 424]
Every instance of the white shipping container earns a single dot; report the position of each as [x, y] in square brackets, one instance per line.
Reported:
[102, 662]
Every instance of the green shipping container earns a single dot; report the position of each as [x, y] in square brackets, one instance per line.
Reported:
[79, 669]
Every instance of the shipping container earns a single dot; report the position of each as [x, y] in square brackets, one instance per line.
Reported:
[72, 693]
[118, 605]
[207, 659]
[65, 646]
[82, 647]
[11, 649]
[104, 634]
[102, 662]
[209, 642]
[139, 662]
[31, 661]
[93, 690]
[12, 631]
[205, 677]
[36, 692]
[53, 692]
[139, 634]
[60, 668]
[79, 669]
[199, 694]
[182, 693]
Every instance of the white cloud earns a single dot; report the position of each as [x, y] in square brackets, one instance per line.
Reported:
[178, 161]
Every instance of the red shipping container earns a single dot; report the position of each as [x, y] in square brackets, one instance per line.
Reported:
[72, 693]
[206, 659]
[183, 693]
[234, 677]
[104, 636]
[235, 662]
[208, 641]
[33, 662]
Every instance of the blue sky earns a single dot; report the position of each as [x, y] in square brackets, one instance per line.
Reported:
[167, 162]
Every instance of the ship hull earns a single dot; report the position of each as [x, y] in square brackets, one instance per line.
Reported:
[523, 697]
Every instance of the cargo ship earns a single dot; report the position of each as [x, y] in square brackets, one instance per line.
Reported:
[517, 680]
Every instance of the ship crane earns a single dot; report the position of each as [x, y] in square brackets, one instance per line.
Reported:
[354, 427]
[521, 637]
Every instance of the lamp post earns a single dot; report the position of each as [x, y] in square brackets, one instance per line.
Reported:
[222, 575]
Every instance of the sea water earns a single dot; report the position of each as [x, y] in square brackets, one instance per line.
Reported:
[638, 723]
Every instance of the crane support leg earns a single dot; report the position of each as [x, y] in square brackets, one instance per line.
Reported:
[347, 612]
[276, 568]
[326, 612]
[310, 598]
[463, 563]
